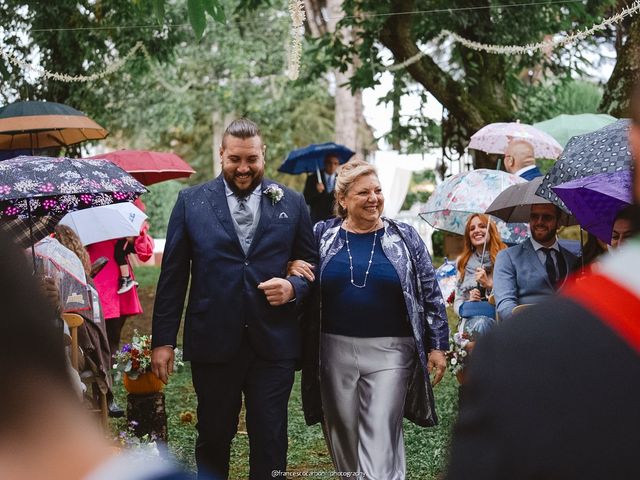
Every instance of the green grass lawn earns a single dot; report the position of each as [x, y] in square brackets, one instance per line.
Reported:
[427, 449]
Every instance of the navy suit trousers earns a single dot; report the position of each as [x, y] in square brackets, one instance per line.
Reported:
[266, 385]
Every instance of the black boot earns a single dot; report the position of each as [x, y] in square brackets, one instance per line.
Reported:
[114, 410]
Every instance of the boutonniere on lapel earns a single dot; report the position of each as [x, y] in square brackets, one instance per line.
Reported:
[274, 192]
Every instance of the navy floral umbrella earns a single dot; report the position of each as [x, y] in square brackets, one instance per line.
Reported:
[40, 186]
[32, 187]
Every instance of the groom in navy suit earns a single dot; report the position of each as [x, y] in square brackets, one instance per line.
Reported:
[232, 238]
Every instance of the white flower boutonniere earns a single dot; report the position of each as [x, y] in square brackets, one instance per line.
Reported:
[274, 192]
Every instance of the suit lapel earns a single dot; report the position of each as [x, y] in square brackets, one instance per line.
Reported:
[267, 211]
[218, 199]
[535, 261]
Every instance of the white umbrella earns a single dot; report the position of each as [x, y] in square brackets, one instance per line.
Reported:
[105, 223]
[495, 137]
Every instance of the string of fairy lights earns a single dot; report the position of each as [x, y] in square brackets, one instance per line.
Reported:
[298, 16]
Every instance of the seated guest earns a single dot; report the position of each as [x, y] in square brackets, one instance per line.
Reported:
[520, 161]
[529, 272]
[482, 243]
[45, 432]
[92, 334]
[622, 228]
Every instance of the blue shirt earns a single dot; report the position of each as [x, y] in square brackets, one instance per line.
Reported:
[377, 310]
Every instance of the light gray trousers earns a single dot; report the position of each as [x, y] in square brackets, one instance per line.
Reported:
[363, 383]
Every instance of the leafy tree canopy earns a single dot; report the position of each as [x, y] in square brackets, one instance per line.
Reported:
[474, 87]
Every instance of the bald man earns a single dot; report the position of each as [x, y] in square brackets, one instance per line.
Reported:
[551, 394]
[519, 160]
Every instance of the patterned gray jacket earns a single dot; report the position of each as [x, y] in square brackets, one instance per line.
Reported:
[425, 306]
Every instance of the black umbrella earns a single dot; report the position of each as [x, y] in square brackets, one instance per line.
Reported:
[38, 125]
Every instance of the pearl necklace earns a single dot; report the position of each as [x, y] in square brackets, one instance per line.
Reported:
[373, 247]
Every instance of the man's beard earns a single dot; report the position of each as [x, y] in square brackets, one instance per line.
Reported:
[544, 237]
[243, 193]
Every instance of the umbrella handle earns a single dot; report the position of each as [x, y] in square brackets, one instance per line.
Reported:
[33, 248]
[318, 175]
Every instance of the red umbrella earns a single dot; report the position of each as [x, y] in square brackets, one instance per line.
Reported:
[149, 167]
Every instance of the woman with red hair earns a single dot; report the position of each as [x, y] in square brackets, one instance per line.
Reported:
[482, 243]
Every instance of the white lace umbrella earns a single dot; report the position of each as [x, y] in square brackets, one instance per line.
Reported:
[495, 137]
[57, 261]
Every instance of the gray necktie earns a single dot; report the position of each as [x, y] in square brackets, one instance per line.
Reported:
[243, 217]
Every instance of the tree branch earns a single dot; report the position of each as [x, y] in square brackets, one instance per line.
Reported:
[396, 36]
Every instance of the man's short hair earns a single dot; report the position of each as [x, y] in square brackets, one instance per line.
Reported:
[241, 128]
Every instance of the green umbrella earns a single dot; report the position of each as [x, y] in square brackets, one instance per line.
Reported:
[563, 127]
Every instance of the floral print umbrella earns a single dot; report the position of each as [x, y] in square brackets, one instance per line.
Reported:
[460, 196]
[39, 186]
[495, 137]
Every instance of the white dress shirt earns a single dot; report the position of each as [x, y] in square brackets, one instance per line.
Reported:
[555, 248]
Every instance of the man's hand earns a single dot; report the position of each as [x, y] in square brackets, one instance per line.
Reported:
[438, 361]
[277, 290]
[300, 268]
[162, 362]
[320, 187]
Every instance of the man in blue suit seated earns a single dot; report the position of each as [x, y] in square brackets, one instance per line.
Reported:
[232, 238]
[520, 161]
[529, 272]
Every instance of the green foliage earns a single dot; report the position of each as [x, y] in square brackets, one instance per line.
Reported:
[235, 70]
[437, 240]
[475, 88]
[426, 449]
[78, 37]
[416, 195]
[159, 202]
[570, 97]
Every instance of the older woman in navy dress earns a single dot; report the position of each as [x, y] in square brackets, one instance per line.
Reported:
[381, 330]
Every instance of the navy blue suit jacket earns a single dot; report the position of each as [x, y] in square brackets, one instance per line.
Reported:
[224, 302]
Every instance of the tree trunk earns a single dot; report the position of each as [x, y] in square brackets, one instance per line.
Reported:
[148, 411]
[469, 107]
[219, 123]
[617, 92]
[348, 104]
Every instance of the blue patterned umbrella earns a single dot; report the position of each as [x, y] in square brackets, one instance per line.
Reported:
[39, 186]
[603, 151]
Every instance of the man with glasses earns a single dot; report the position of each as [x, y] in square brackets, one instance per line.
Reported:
[529, 272]
[519, 160]
[554, 393]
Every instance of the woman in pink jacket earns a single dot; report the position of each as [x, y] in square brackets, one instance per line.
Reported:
[117, 307]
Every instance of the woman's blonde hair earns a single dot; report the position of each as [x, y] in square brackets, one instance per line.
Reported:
[347, 175]
[69, 238]
[494, 245]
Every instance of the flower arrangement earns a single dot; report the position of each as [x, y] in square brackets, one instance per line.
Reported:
[274, 192]
[457, 356]
[134, 358]
[144, 447]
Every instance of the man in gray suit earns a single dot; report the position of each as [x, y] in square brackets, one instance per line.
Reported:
[532, 270]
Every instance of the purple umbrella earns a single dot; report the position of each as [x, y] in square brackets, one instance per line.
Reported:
[596, 200]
